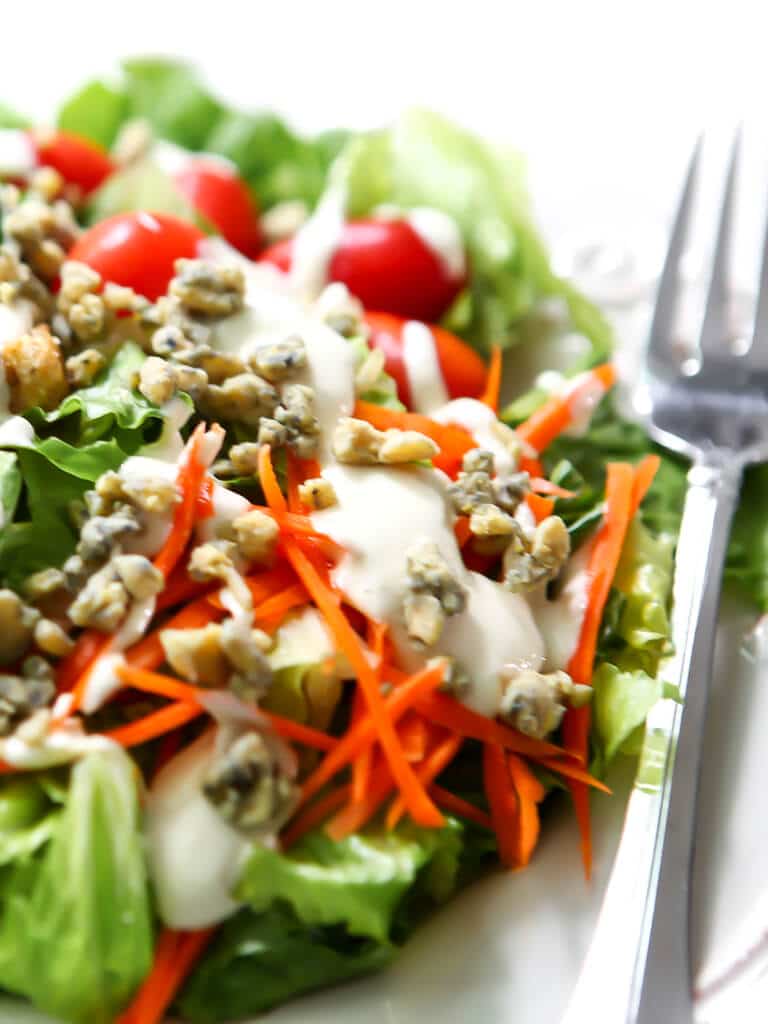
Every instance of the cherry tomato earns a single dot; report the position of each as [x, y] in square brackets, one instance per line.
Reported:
[464, 372]
[388, 266]
[79, 161]
[223, 198]
[137, 249]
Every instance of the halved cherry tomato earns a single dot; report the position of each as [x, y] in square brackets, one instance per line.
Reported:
[138, 249]
[464, 372]
[79, 161]
[388, 266]
[221, 196]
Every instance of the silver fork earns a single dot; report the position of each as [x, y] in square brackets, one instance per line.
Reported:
[637, 969]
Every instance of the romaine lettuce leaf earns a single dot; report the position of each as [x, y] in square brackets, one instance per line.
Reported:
[358, 882]
[620, 704]
[10, 486]
[97, 111]
[260, 960]
[75, 917]
[426, 160]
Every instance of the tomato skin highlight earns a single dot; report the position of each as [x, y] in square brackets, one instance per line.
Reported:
[388, 266]
[223, 198]
[79, 161]
[464, 372]
[138, 250]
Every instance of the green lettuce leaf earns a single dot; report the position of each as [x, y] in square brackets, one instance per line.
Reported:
[258, 961]
[621, 702]
[10, 118]
[141, 186]
[358, 882]
[10, 486]
[747, 565]
[75, 917]
[426, 160]
[274, 161]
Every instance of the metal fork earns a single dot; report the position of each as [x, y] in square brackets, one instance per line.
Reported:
[715, 412]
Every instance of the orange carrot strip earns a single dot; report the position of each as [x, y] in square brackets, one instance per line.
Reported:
[541, 507]
[645, 472]
[151, 726]
[438, 759]
[571, 770]
[490, 396]
[530, 793]
[413, 736]
[461, 530]
[268, 481]
[354, 816]
[606, 551]
[365, 732]
[361, 768]
[453, 440]
[87, 649]
[149, 652]
[176, 953]
[180, 589]
[444, 710]
[455, 805]
[503, 803]
[278, 606]
[189, 483]
[305, 734]
[420, 807]
[313, 815]
[556, 414]
[540, 485]
[263, 585]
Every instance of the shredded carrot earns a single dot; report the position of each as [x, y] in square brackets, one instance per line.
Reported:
[166, 686]
[503, 803]
[274, 609]
[441, 756]
[268, 480]
[420, 807]
[530, 793]
[413, 736]
[556, 414]
[156, 724]
[541, 507]
[88, 647]
[179, 588]
[540, 485]
[190, 481]
[149, 652]
[354, 816]
[572, 770]
[360, 736]
[444, 710]
[313, 815]
[456, 805]
[604, 558]
[490, 396]
[361, 768]
[645, 473]
[175, 955]
[204, 508]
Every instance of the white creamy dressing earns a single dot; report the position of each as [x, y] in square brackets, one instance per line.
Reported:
[103, 681]
[315, 244]
[378, 515]
[303, 632]
[15, 320]
[481, 422]
[441, 234]
[560, 620]
[195, 858]
[17, 154]
[425, 378]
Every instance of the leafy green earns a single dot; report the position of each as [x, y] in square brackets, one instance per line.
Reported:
[96, 111]
[260, 960]
[275, 162]
[141, 186]
[621, 702]
[75, 918]
[10, 486]
[747, 565]
[357, 882]
[10, 118]
[426, 160]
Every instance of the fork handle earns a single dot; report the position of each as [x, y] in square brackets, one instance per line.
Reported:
[637, 969]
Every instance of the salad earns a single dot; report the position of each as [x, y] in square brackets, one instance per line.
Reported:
[301, 630]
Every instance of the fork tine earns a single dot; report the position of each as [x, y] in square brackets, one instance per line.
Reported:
[714, 328]
[756, 356]
[666, 296]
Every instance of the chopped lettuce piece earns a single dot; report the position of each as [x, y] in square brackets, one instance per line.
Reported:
[75, 920]
[95, 111]
[258, 961]
[358, 882]
[10, 118]
[141, 186]
[10, 486]
[620, 704]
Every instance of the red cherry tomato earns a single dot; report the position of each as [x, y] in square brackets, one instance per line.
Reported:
[388, 266]
[223, 198]
[79, 161]
[137, 249]
[464, 372]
